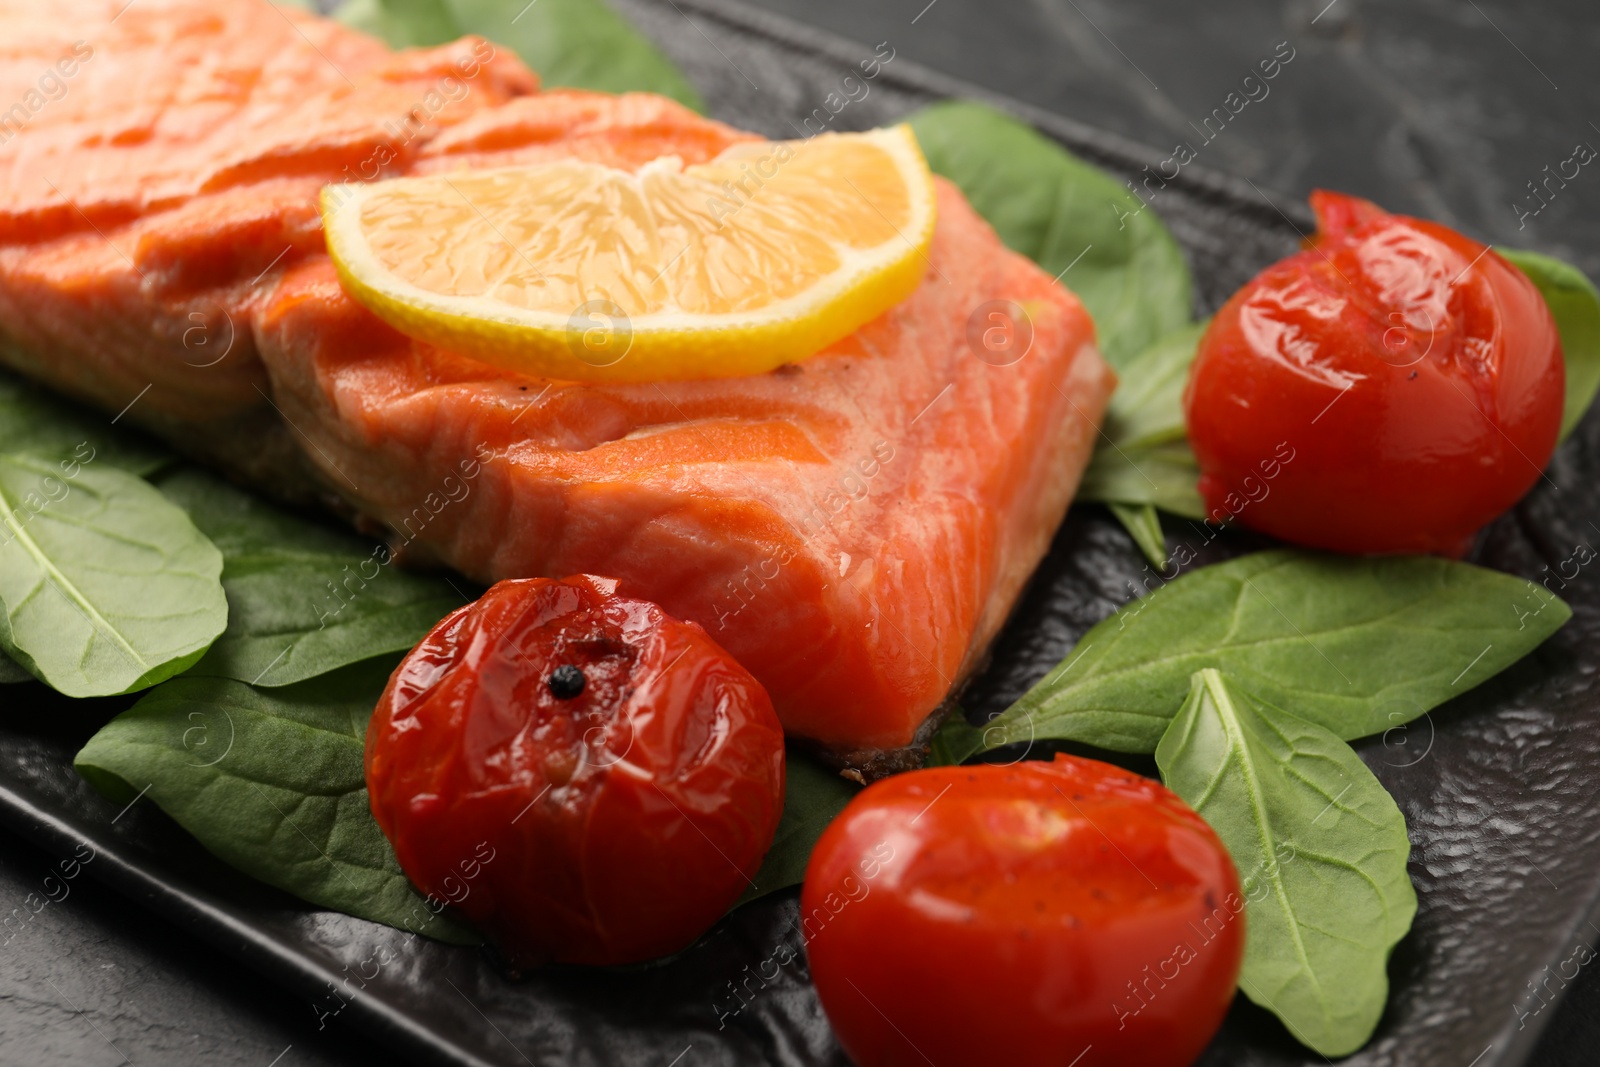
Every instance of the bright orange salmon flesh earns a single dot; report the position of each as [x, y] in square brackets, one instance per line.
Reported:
[854, 528]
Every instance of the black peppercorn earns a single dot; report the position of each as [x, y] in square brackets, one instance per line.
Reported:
[566, 682]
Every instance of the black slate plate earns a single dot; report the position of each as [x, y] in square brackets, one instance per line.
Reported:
[1504, 812]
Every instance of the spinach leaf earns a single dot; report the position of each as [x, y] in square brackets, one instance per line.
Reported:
[1054, 209]
[1146, 411]
[11, 671]
[580, 44]
[302, 600]
[1355, 645]
[1576, 307]
[271, 781]
[813, 796]
[1321, 851]
[956, 741]
[1164, 476]
[107, 586]
[402, 23]
[33, 420]
[1145, 416]
[1144, 525]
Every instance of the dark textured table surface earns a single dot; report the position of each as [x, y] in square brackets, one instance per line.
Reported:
[1443, 108]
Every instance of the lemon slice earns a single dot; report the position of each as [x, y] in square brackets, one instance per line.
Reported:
[762, 256]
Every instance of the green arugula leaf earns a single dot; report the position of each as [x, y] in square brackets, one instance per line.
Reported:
[1144, 525]
[1069, 217]
[1355, 645]
[1321, 851]
[272, 782]
[302, 600]
[1164, 476]
[35, 421]
[1576, 307]
[813, 795]
[107, 586]
[579, 44]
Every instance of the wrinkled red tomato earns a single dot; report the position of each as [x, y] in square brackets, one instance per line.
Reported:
[623, 773]
[1392, 388]
[1026, 914]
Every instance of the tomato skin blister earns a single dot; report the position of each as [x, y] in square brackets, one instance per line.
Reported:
[1392, 388]
[607, 822]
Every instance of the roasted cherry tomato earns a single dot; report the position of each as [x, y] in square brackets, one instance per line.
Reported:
[1040, 913]
[586, 778]
[1392, 388]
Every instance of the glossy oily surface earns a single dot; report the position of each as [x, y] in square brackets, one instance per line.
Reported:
[1496, 786]
[1023, 914]
[1391, 388]
[584, 777]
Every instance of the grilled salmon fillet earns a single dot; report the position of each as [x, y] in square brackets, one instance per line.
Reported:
[854, 528]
